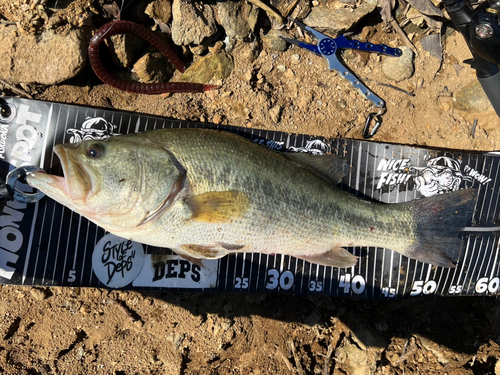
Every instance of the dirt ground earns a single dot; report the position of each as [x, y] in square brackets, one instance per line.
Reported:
[84, 331]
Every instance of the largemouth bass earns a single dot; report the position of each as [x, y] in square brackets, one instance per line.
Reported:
[206, 193]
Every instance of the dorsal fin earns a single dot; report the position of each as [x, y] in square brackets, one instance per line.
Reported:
[332, 167]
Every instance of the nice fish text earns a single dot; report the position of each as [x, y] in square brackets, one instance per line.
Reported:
[398, 172]
[11, 238]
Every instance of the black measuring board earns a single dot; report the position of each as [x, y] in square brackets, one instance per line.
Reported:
[46, 244]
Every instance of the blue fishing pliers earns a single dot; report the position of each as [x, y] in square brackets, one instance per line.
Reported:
[327, 47]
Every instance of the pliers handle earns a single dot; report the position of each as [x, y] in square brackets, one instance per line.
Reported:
[328, 47]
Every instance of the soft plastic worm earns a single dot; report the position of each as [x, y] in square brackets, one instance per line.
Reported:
[123, 27]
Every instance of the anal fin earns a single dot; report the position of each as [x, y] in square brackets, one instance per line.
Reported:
[204, 252]
[337, 257]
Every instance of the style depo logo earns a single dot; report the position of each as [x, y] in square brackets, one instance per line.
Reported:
[440, 175]
[117, 261]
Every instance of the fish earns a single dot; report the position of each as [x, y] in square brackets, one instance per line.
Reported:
[208, 193]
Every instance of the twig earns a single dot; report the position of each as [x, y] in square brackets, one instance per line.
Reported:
[473, 130]
[300, 370]
[390, 86]
[286, 360]
[267, 9]
[290, 8]
[403, 36]
[14, 89]
[326, 368]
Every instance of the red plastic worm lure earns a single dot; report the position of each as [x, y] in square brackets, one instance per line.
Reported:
[123, 27]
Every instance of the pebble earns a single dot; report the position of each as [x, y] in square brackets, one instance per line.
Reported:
[275, 113]
[471, 98]
[399, 68]
[272, 40]
[48, 58]
[246, 52]
[190, 24]
[338, 20]
[295, 58]
[39, 294]
[473, 103]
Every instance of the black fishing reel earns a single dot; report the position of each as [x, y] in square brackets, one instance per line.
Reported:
[480, 26]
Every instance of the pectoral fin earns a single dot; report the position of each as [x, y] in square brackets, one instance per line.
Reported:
[337, 257]
[218, 206]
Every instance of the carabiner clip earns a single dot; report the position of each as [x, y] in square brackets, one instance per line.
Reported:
[18, 195]
[378, 122]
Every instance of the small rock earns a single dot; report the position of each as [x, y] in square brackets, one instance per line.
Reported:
[191, 25]
[352, 359]
[295, 58]
[209, 67]
[246, 52]
[472, 98]
[48, 58]
[275, 113]
[248, 76]
[272, 40]
[237, 18]
[442, 354]
[154, 67]
[338, 20]
[217, 47]
[160, 10]
[399, 68]
[124, 49]
[39, 294]
[217, 119]
[473, 103]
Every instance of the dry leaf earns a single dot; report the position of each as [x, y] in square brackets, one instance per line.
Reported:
[385, 8]
[426, 7]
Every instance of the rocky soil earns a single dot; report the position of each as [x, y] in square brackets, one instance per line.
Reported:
[432, 100]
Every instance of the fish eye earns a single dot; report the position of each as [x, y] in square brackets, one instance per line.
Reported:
[95, 151]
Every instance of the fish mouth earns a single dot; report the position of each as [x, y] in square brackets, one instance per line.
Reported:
[77, 182]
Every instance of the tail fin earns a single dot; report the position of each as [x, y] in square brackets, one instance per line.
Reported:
[439, 221]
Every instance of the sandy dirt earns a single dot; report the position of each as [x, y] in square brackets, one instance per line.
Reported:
[85, 331]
